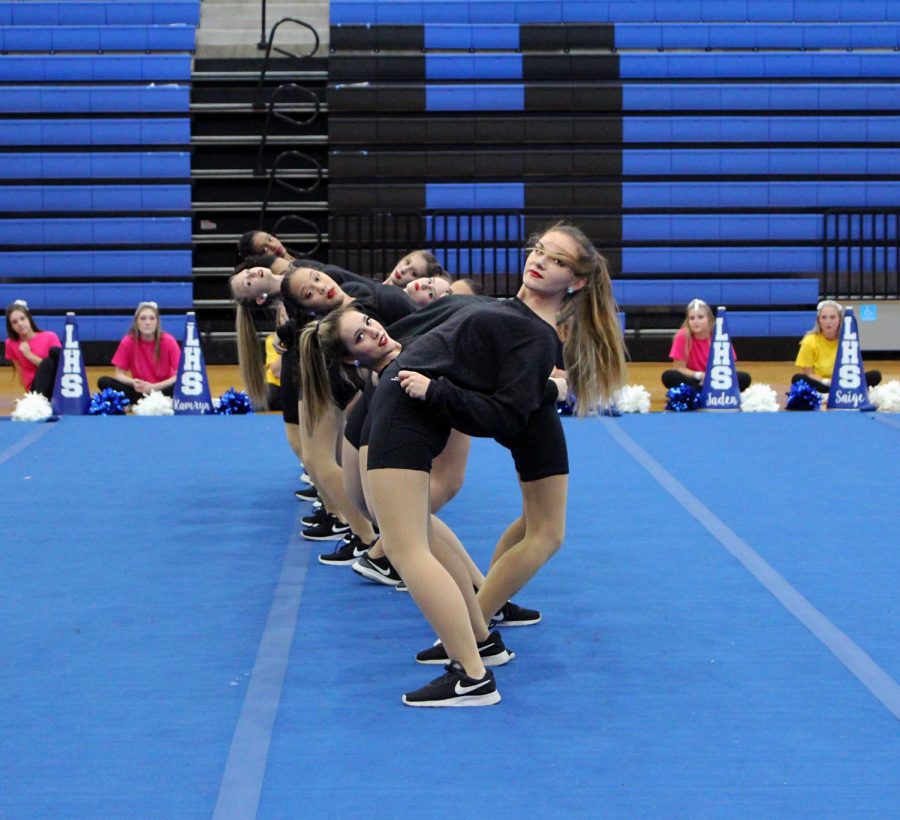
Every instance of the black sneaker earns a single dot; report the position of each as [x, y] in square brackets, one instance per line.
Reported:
[401, 587]
[379, 570]
[306, 494]
[331, 529]
[315, 518]
[511, 614]
[491, 649]
[349, 550]
[455, 688]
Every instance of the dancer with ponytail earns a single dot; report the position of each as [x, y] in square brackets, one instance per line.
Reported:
[486, 373]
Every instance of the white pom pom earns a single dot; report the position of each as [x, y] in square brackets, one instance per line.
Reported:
[154, 404]
[886, 397]
[632, 398]
[32, 407]
[759, 398]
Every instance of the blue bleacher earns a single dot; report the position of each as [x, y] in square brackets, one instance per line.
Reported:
[98, 295]
[86, 198]
[506, 36]
[86, 99]
[115, 231]
[752, 291]
[765, 161]
[772, 194]
[756, 35]
[84, 165]
[809, 128]
[714, 65]
[99, 12]
[720, 260]
[417, 12]
[120, 131]
[475, 195]
[172, 37]
[95, 68]
[107, 327]
[738, 96]
[98, 264]
[82, 77]
[716, 226]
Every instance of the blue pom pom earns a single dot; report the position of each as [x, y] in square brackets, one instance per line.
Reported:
[803, 396]
[108, 402]
[233, 403]
[683, 398]
[564, 408]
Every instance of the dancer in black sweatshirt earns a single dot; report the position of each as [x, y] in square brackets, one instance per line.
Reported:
[485, 372]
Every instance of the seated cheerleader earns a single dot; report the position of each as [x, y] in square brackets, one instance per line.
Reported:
[690, 349]
[33, 352]
[818, 349]
[487, 373]
[146, 358]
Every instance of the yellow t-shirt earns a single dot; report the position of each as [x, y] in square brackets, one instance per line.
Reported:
[272, 355]
[818, 353]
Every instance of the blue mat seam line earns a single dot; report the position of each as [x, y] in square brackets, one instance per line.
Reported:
[241, 787]
[870, 674]
[19, 446]
[889, 422]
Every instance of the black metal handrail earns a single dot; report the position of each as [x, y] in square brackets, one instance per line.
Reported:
[282, 182]
[287, 229]
[861, 253]
[267, 43]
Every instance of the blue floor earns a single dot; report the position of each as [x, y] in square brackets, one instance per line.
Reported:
[171, 648]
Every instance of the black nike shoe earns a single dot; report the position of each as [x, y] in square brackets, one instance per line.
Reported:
[349, 550]
[306, 494]
[455, 688]
[492, 651]
[331, 529]
[511, 614]
[379, 570]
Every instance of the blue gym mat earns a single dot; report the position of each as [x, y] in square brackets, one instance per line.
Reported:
[719, 633]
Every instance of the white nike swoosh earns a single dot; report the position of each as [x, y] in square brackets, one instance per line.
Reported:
[464, 690]
[358, 553]
[384, 572]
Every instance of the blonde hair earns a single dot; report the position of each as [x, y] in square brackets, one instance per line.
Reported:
[594, 351]
[817, 328]
[695, 304]
[251, 360]
[321, 348]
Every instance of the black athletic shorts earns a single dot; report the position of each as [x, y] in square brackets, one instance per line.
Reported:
[402, 433]
[539, 451]
[290, 389]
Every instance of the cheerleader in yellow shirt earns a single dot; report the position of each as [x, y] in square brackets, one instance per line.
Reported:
[818, 349]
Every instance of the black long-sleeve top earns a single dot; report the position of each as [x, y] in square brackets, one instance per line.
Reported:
[489, 367]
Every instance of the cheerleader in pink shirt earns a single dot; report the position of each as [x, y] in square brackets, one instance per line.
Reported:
[146, 358]
[690, 349]
[33, 352]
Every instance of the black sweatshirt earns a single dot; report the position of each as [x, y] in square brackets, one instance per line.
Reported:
[489, 367]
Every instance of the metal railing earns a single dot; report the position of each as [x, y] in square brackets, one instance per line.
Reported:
[861, 253]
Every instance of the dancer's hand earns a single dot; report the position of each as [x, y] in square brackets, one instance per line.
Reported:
[415, 384]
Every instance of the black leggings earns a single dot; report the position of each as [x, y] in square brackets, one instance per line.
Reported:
[130, 393]
[45, 375]
[672, 378]
[873, 377]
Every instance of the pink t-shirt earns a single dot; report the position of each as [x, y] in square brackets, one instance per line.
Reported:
[40, 345]
[139, 358]
[699, 351]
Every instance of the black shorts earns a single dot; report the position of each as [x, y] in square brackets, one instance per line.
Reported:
[290, 389]
[539, 451]
[402, 433]
[356, 419]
